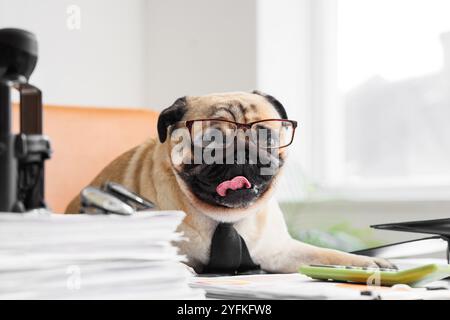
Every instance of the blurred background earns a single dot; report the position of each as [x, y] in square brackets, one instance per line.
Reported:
[367, 80]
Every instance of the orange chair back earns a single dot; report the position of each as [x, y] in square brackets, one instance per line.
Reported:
[84, 140]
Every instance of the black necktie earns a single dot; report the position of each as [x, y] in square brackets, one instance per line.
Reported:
[229, 253]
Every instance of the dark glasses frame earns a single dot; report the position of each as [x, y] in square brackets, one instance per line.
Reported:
[244, 126]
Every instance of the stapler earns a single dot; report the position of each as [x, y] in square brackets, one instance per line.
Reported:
[112, 198]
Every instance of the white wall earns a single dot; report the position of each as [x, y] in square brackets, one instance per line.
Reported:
[282, 52]
[200, 46]
[102, 64]
[138, 53]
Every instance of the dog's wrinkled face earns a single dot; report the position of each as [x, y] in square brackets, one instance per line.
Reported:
[235, 180]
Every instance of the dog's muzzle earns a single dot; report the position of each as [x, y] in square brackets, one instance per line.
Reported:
[232, 185]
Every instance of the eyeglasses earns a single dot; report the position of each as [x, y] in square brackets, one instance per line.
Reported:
[218, 133]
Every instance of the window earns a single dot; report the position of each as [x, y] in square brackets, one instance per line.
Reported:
[369, 83]
[393, 87]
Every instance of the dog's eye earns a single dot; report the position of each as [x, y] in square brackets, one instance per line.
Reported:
[266, 137]
[210, 138]
[212, 134]
[271, 140]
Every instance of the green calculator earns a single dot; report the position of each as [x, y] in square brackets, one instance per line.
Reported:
[377, 276]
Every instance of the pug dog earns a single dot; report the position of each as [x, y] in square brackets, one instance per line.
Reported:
[210, 193]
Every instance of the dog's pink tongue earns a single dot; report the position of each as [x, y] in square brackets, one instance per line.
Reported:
[237, 182]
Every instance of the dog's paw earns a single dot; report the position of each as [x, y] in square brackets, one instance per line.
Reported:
[373, 262]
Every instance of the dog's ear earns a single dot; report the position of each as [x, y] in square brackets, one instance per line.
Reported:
[276, 104]
[169, 116]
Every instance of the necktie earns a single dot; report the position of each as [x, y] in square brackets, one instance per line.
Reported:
[228, 253]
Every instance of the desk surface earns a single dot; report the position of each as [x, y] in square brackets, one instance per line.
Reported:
[297, 286]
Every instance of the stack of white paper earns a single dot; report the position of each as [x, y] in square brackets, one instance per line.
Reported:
[92, 257]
